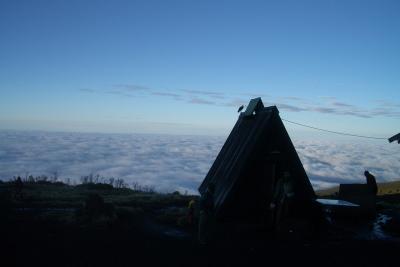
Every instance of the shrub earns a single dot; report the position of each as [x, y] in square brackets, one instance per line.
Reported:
[143, 188]
[119, 183]
[176, 193]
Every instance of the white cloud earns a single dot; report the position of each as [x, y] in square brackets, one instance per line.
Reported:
[164, 161]
[330, 163]
[171, 163]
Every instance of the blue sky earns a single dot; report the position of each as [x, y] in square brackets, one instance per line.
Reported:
[184, 67]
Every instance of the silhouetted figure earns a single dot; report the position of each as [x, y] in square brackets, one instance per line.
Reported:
[371, 182]
[18, 187]
[206, 215]
[240, 108]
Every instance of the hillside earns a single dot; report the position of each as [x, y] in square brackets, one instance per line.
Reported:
[387, 188]
[99, 225]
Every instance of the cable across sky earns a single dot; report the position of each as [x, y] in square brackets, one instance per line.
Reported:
[335, 132]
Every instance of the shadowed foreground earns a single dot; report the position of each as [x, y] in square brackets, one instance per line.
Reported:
[50, 226]
[34, 246]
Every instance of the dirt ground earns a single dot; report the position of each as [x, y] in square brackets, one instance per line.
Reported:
[29, 242]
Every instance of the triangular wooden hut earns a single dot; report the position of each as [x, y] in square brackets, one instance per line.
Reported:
[255, 156]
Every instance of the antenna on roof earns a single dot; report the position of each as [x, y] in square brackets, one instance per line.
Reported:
[254, 106]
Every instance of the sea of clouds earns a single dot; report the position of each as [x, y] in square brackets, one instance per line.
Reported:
[173, 162]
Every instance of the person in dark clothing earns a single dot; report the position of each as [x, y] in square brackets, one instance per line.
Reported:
[371, 182]
[206, 214]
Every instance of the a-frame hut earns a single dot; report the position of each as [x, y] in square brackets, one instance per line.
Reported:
[256, 155]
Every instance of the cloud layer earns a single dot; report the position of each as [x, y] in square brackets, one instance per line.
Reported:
[330, 163]
[170, 162]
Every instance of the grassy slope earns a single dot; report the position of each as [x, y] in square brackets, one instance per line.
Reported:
[124, 202]
[51, 226]
[387, 188]
[67, 196]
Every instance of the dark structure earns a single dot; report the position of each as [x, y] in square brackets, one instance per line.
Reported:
[359, 194]
[257, 153]
[395, 138]
[362, 194]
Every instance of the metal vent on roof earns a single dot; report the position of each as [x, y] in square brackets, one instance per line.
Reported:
[254, 106]
[395, 138]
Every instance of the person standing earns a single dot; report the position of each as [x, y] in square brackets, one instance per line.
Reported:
[206, 215]
[190, 214]
[371, 182]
